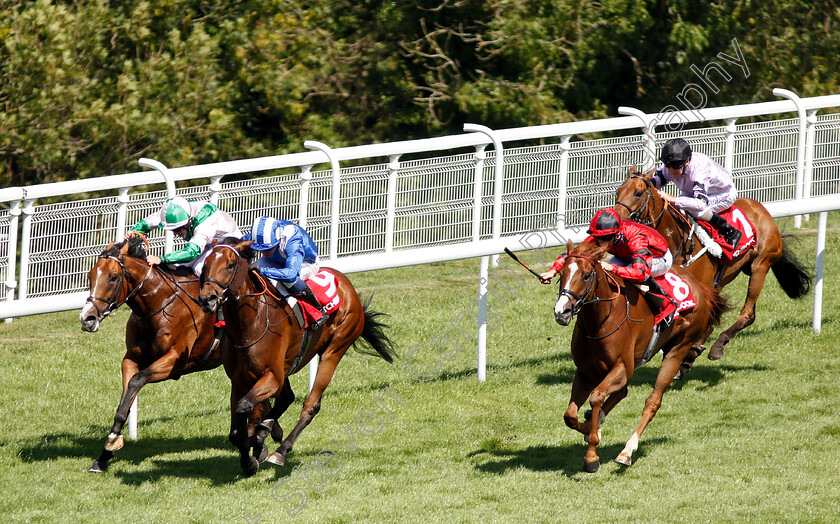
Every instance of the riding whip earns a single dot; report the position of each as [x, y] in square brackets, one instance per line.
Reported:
[510, 253]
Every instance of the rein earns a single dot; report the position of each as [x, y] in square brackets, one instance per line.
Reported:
[581, 301]
[226, 294]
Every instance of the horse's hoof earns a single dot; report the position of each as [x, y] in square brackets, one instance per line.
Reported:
[98, 467]
[250, 469]
[623, 459]
[716, 353]
[591, 467]
[262, 455]
[277, 432]
[114, 443]
[277, 459]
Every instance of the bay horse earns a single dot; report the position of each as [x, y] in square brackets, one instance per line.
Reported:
[638, 200]
[167, 334]
[267, 345]
[612, 337]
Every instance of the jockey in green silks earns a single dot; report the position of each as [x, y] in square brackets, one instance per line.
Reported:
[198, 222]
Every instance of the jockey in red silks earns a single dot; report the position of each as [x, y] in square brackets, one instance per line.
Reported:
[640, 252]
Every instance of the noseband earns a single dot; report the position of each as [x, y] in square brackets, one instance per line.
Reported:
[582, 300]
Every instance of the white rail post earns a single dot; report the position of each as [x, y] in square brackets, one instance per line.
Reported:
[170, 240]
[818, 269]
[303, 203]
[563, 190]
[800, 146]
[25, 243]
[391, 201]
[334, 215]
[499, 179]
[122, 214]
[11, 283]
[729, 151]
[810, 145]
[478, 180]
[497, 229]
[215, 188]
[649, 130]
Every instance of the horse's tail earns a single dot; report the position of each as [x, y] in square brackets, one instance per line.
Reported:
[718, 304]
[374, 336]
[791, 274]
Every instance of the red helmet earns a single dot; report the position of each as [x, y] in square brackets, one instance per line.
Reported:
[605, 223]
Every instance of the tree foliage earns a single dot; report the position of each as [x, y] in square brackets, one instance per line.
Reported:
[89, 87]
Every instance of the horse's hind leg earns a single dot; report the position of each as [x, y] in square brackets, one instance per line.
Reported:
[311, 406]
[747, 315]
[282, 403]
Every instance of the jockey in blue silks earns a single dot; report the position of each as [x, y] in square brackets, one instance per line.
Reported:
[289, 256]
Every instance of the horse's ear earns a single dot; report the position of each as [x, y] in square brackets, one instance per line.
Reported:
[124, 248]
[633, 170]
[649, 174]
[242, 246]
[569, 245]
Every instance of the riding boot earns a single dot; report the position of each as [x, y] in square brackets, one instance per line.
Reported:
[729, 233]
[654, 296]
[308, 296]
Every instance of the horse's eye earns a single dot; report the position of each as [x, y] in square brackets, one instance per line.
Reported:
[231, 265]
[586, 276]
[639, 192]
[113, 278]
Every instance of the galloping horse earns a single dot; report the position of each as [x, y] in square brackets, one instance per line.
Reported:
[637, 199]
[267, 346]
[167, 334]
[612, 337]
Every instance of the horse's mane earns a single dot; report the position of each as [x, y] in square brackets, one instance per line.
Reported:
[136, 248]
[591, 250]
[247, 253]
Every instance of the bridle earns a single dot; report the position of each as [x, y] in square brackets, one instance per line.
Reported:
[223, 289]
[636, 215]
[113, 303]
[592, 284]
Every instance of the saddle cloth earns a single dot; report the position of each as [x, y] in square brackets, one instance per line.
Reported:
[324, 286]
[678, 291]
[737, 219]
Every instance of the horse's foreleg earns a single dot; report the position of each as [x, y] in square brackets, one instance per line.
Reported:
[581, 388]
[670, 364]
[747, 315]
[114, 441]
[311, 406]
[615, 381]
[249, 406]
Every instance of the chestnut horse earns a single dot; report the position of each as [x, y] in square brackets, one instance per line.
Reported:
[638, 200]
[167, 334]
[611, 339]
[267, 346]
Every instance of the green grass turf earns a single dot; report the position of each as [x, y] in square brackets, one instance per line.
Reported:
[753, 437]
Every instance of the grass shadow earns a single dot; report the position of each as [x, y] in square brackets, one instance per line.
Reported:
[222, 469]
[566, 459]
